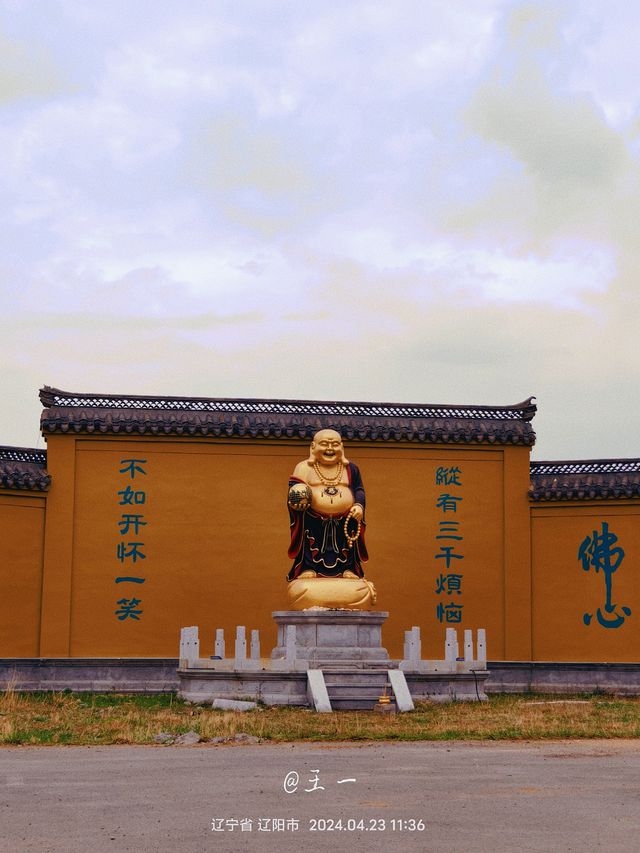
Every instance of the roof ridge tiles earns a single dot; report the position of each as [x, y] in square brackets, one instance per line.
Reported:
[585, 479]
[8, 453]
[585, 466]
[240, 418]
[54, 398]
[23, 468]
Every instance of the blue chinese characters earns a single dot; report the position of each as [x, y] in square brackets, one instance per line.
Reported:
[599, 551]
[131, 523]
[449, 531]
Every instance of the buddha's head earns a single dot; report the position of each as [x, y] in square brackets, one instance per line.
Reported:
[327, 448]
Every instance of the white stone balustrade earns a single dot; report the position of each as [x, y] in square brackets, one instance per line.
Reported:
[219, 648]
[189, 644]
[482, 646]
[240, 646]
[255, 645]
[450, 645]
[310, 642]
[468, 645]
[452, 661]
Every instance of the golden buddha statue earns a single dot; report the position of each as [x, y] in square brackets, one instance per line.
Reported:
[326, 506]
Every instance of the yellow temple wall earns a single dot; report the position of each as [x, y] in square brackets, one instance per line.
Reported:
[214, 532]
[216, 535]
[22, 517]
[563, 591]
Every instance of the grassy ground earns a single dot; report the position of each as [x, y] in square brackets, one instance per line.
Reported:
[65, 718]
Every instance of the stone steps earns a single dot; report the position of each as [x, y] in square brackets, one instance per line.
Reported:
[355, 689]
[356, 665]
[354, 703]
[339, 680]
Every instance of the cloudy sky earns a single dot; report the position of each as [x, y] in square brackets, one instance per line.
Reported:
[426, 201]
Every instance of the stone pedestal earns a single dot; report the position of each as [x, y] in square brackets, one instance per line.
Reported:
[326, 636]
[334, 660]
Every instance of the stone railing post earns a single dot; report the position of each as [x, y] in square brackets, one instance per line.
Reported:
[240, 646]
[451, 645]
[416, 644]
[219, 645]
[482, 646]
[255, 645]
[189, 644]
[468, 645]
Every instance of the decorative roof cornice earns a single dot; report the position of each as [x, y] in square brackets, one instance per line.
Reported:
[109, 413]
[588, 479]
[24, 468]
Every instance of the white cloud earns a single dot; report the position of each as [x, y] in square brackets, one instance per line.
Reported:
[25, 72]
[413, 200]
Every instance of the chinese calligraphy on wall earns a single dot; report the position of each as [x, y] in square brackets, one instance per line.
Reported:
[449, 544]
[130, 548]
[600, 552]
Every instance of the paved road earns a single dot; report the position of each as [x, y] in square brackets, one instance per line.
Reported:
[568, 796]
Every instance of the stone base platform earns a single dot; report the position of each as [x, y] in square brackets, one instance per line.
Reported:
[330, 660]
[448, 687]
[271, 687]
[353, 685]
[95, 675]
[159, 675]
[322, 636]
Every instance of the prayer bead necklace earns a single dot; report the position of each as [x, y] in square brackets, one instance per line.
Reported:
[328, 481]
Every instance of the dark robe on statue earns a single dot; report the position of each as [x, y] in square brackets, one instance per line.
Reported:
[318, 542]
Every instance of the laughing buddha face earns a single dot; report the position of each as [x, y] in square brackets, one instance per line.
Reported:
[327, 448]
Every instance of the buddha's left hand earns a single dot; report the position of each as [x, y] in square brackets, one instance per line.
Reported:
[356, 512]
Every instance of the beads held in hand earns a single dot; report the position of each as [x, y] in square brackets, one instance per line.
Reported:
[353, 536]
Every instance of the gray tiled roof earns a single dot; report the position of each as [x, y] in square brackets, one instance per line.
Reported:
[586, 479]
[23, 468]
[109, 413]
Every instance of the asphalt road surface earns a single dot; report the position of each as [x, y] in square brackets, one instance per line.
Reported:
[551, 796]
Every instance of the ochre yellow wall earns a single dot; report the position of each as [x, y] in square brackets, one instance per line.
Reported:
[217, 535]
[21, 544]
[562, 591]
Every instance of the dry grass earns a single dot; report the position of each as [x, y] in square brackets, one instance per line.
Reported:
[65, 718]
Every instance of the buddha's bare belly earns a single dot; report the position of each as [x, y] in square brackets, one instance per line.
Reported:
[331, 504]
